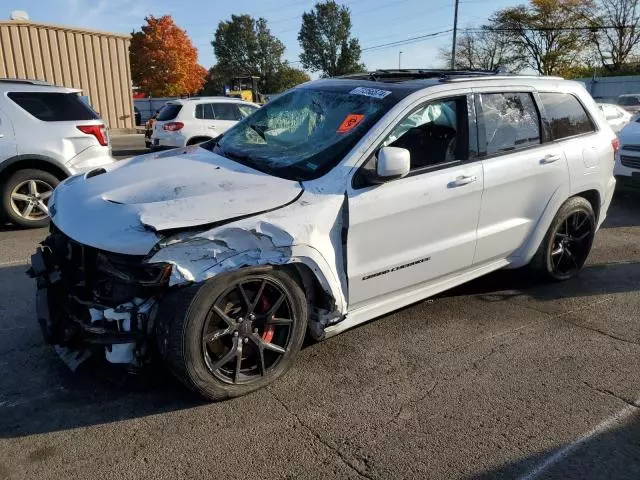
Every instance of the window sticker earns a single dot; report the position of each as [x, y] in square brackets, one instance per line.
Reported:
[370, 92]
[350, 122]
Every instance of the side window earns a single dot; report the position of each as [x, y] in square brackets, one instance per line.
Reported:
[226, 111]
[511, 121]
[208, 111]
[200, 111]
[566, 115]
[434, 133]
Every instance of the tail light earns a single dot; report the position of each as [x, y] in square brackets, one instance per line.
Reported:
[615, 143]
[98, 131]
[172, 126]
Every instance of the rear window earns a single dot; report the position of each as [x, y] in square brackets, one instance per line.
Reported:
[169, 112]
[566, 115]
[53, 106]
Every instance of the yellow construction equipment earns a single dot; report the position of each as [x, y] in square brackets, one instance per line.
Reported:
[246, 88]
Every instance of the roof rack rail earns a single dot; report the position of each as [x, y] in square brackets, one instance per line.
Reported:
[26, 81]
[400, 75]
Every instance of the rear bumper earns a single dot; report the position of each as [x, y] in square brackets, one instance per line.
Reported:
[171, 140]
[92, 157]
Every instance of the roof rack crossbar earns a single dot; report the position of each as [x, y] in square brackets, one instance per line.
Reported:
[415, 74]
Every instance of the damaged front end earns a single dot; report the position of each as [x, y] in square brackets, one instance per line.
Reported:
[89, 301]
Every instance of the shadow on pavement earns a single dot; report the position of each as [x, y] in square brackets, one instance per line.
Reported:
[611, 454]
[599, 279]
[625, 209]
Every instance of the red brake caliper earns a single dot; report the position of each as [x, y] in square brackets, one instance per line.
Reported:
[269, 330]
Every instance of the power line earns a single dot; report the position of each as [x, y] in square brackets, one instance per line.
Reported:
[406, 41]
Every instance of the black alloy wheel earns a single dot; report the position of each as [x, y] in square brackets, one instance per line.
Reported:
[567, 243]
[571, 244]
[247, 331]
[234, 333]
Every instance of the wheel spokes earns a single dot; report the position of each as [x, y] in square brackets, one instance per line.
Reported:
[243, 296]
[274, 308]
[27, 210]
[278, 321]
[253, 305]
[212, 337]
[20, 197]
[227, 356]
[227, 319]
[33, 187]
[264, 345]
[236, 377]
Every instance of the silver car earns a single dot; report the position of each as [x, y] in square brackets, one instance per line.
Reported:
[47, 133]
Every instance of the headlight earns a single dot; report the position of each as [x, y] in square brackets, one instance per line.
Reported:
[144, 274]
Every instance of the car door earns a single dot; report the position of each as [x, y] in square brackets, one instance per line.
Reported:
[415, 229]
[522, 167]
[206, 120]
[8, 147]
[226, 115]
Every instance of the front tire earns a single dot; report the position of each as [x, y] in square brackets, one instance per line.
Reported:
[567, 244]
[233, 334]
[25, 197]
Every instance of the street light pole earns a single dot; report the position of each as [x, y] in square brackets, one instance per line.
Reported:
[455, 31]
[399, 59]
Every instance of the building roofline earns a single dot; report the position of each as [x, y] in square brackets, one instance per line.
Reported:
[64, 28]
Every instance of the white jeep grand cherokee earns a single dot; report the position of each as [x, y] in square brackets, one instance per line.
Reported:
[338, 202]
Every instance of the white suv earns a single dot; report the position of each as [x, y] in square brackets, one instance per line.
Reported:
[339, 201]
[196, 120]
[47, 133]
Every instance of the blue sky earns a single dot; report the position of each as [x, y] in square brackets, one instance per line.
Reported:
[375, 22]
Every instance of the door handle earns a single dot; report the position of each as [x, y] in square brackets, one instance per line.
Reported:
[211, 127]
[462, 180]
[552, 157]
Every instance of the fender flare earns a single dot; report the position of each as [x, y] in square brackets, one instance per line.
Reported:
[5, 164]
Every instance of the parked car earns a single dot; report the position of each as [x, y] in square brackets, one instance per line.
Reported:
[630, 102]
[47, 133]
[195, 120]
[138, 116]
[148, 129]
[339, 201]
[617, 117]
[627, 168]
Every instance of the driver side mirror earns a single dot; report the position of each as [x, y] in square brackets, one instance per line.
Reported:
[392, 162]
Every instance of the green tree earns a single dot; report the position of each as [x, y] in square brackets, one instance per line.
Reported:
[245, 46]
[327, 45]
[544, 33]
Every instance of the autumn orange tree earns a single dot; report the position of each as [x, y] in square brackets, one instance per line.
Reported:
[164, 62]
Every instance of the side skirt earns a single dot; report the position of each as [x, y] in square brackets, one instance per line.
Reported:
[396, 300]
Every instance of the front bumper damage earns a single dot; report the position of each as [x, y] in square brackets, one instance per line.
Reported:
[90, 302]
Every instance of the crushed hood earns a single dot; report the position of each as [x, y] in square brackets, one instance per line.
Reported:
[121, 210]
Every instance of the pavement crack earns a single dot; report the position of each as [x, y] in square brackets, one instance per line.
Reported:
[361, 472]
[606, 391]
[601, 332]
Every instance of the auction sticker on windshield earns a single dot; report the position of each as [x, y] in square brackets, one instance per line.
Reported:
[370, 92]
[350, 122]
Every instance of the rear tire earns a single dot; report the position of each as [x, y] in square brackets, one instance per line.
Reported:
[25, 196]
[566, 246]
[199, 327]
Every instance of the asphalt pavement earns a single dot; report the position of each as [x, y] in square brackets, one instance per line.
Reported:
[501, 378]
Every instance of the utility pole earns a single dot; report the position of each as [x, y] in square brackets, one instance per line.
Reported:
[455, 31]
[399, 59]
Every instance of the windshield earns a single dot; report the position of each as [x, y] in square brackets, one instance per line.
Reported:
[302, 134]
